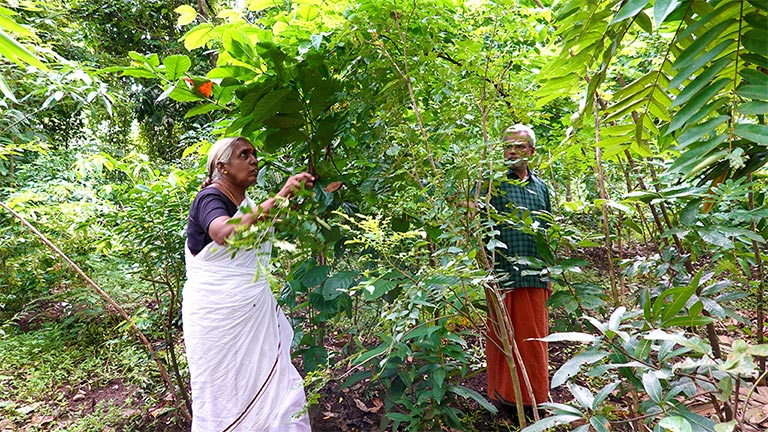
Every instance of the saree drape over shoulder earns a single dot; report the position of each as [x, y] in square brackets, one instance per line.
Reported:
[238, 346]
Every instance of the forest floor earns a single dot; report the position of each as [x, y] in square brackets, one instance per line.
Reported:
[123, 406]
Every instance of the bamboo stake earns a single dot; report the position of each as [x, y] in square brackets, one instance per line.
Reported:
[120, 311]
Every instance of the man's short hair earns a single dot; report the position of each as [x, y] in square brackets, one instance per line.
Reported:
[521, 129]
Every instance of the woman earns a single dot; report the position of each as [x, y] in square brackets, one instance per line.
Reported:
[237, 338]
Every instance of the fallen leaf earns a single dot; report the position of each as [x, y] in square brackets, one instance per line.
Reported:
[333, 186]
[377, 404]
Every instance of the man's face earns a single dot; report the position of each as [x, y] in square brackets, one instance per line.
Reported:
[517, 150]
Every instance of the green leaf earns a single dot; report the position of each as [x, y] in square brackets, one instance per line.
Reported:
[679, 299]
[187, 14]
[600, 423]
[550, 422]
[259, 5]
[338, 283]
[675, 424]
[688, 321]
[468, 393]
[715, 237]
[14, 27]
[756, 92]
[198, 36]
[630, 9]
[180, 93]
[726, 427]
[202, 109]
[176, 66]
[756, 40]
[569, 336]
[694, 105]
[17, 52]
[753, 108]
[652, 386]
[700, 81]
[700, 44]
[7, 90]
[315, 276]
[572, 366]
[757, 133]
[662, 9]
[694, 133]
[603, 394]
[697, 64]
[269, 105]
[582, 395]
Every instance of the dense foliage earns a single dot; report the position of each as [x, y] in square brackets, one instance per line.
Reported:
[651, 125]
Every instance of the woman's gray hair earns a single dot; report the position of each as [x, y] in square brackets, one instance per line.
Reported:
[221, 151]
[521, 129]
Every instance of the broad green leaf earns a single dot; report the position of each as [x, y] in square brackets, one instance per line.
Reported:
[753, 108]
[338, 283]
[559, 408]
[269, 105]
[202, 109]
[571, 367]
[315, 276]
[630, 9]
[17, 52]
[176, 66]
[754, 132]
[652, 386]
[14, 27]
[259, 5]
[569, 336]
[715, 237]
[600, 423]
[675, 424]
[760, 4]
[187, 14]
[468, 393]
[550, 422]
[180, 93]
[198, 36]
[582, 395]
[756, 92]
[758, 350]
[726, 427]
[662, 9]
[756, 40]
[615, 321]
[603, 394]
[680, 299]
[689, 321]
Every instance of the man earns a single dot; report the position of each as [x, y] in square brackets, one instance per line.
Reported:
[524, 295]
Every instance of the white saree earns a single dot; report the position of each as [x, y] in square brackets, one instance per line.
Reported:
[238, 346]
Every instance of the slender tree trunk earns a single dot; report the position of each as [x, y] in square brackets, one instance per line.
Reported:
[760, 278]
[604, 208]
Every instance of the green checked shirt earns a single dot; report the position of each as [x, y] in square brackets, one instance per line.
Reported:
[512, 197]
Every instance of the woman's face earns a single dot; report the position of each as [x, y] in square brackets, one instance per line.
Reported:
[243, 167]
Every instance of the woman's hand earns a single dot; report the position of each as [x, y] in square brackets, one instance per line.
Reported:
[295, 182]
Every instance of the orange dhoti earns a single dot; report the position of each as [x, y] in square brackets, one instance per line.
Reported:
[530, 319]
